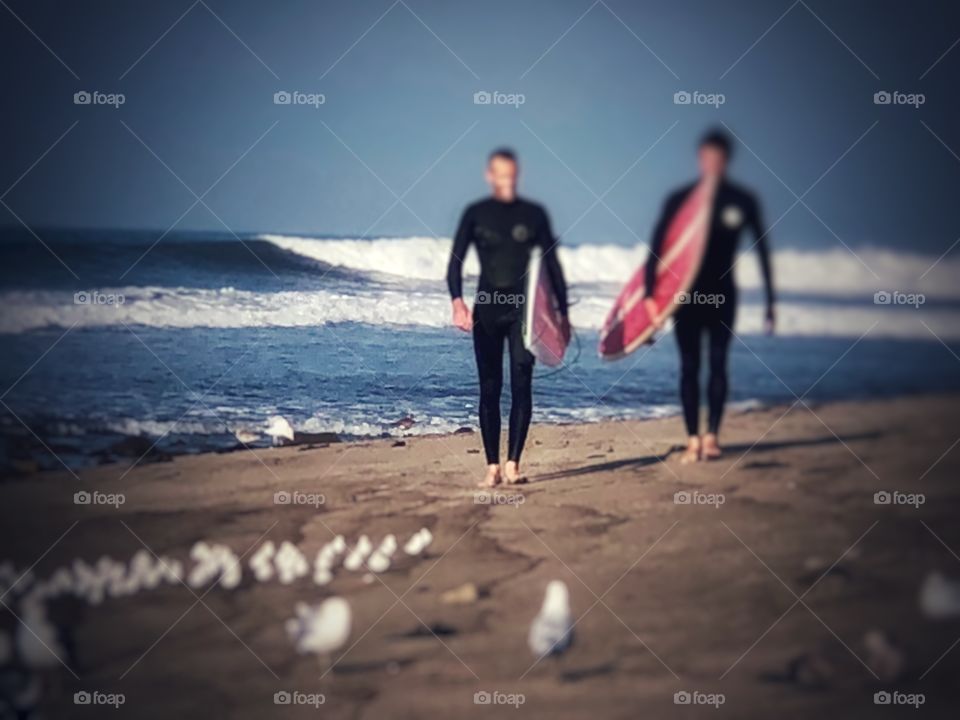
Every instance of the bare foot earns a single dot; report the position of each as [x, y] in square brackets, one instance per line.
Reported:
[493, 477]
[513, 474]
[711, 449]
[692, 453]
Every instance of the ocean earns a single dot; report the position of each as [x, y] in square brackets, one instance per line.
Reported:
[184, 340]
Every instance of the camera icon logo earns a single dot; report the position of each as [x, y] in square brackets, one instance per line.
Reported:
[681, 697]
[483, 298]
[882, 97]
[882, 297]
[683, 298]
[281, 497]
[682, 97]
[481, 697]
[81, 498]
[681, 497]
[481, 498]
[882, 498]
[82, 97]
[82, 698]
[282, 697]
[882, 698]
[482, 97]
[282, 97]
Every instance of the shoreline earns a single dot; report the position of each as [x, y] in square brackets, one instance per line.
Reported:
[694, 596]
[144, 450]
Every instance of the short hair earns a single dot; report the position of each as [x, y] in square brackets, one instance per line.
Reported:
[718, 138]
[502, 152]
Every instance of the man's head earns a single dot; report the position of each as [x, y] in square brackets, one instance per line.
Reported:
[714, 153]
[501, 174]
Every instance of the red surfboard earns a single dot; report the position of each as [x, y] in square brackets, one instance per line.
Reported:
[629, 325]
[542, 322]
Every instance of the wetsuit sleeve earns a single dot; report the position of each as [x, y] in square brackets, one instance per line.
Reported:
[551, 246]
[656, 245]
[763, 250]
[461, 243]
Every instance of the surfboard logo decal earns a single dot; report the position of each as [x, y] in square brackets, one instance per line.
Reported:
[732, 217]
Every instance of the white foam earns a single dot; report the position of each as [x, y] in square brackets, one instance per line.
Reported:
[409, 290]
[837, 271]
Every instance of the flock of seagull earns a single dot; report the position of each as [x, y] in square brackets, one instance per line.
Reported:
[315, 629]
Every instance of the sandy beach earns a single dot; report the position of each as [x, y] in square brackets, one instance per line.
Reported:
[761, 590]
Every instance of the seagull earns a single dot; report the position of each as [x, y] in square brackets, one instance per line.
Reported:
[279, 429]
[939, 597]
[38, 644]
[290, 562]
[552, 629]
[418, 542]
[379, 561]
[216, 562]
[354, 561]
[320, 629]
[261, 561]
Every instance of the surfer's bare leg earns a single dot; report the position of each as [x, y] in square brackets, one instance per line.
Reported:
[711, 448]
[493, 477]
[692, 453]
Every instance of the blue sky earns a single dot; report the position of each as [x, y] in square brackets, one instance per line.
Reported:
[598, 82]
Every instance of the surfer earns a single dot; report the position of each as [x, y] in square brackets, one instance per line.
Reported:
[503, 228]
[710, 306]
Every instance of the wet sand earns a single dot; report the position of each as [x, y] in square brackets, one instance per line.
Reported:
[765, 598]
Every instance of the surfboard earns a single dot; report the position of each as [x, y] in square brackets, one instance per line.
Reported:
[629, 325]
[542, 322]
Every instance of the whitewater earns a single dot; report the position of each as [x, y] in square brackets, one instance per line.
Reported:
[400, 282]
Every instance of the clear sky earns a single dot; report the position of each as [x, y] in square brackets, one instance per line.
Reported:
[598, 81]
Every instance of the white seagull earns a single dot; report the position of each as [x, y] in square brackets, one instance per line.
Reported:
[320, 629]
[552, 629]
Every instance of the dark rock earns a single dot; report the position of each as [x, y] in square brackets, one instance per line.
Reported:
[300, 438]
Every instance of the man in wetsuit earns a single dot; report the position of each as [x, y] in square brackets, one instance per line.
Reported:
[503, 229]
[710, 305]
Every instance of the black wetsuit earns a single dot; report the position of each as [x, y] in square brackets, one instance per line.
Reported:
[503, 233]
[713, 297]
